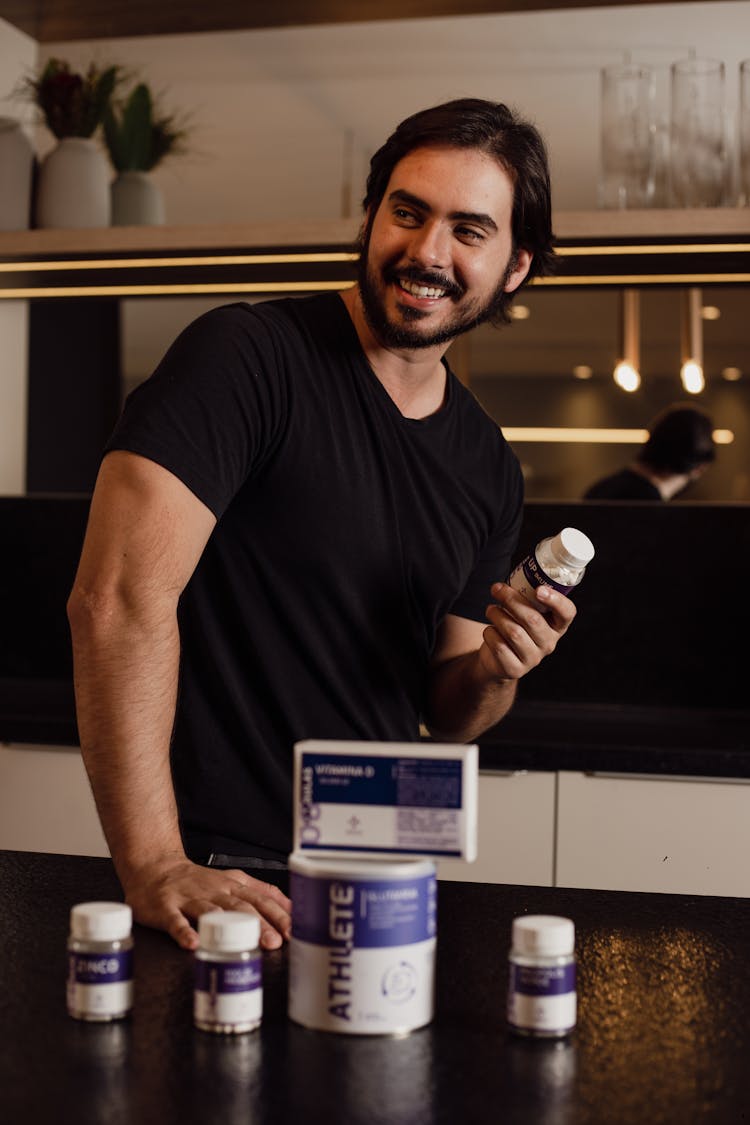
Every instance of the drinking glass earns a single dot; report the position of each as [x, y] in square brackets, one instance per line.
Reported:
[744, 133]
[628, 137]
[698, 153]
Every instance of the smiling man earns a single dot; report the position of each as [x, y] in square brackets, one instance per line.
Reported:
[297, 528]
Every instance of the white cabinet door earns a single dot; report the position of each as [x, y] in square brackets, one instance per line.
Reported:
[46, 803]
[516, 831]
[648, 833]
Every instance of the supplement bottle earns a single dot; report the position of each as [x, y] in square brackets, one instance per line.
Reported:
[228, 996]
[542, 992]
[100, 961]
[559, 561]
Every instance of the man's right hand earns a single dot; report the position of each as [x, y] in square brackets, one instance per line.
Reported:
[171, 894]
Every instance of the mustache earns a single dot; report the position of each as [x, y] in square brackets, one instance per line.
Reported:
[425, 277]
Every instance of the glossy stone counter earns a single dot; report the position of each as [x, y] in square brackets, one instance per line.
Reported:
[663, 1035]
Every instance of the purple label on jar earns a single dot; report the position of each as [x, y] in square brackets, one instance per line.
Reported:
[228, 976]
[367, 913]
[552, 980]
[535, 576]
[100, 968]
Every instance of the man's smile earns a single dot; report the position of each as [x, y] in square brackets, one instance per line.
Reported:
[424, 286]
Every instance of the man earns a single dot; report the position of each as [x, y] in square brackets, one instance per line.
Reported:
[679, 449]
[298, 525]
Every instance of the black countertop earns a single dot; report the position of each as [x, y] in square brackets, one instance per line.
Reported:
[663, 1035]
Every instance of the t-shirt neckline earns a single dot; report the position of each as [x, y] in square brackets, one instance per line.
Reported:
[434, 419]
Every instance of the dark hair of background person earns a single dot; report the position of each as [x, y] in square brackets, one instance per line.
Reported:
[680, 440]
[493, 128]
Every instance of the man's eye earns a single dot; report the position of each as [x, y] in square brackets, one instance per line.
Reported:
[404, 215]
[470, 234]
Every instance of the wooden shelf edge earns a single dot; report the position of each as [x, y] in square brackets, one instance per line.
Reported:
[236, 236]
[598, 226]
[706, 222]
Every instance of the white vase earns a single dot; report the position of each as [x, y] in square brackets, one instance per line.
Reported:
[136, 200]
[73, 189]
[16, 173]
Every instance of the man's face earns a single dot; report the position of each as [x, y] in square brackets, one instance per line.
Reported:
[438, 252]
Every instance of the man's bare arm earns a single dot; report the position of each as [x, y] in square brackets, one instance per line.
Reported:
[145, 535]
[476, 667]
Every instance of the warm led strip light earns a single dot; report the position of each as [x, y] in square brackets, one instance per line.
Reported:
[697, 248]
[172, 290]
[559, 433]
[337, 256]
[318, 286]
[160, 263]
[591, 435]
[646, 279]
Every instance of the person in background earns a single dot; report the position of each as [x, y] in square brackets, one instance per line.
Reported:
[678, 450]
[298, 525]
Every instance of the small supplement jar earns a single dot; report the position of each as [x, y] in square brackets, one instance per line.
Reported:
[228, 994]
[542, 992]
[559, 561]
[100, 961]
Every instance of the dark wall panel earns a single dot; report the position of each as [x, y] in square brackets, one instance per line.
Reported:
[74, 391]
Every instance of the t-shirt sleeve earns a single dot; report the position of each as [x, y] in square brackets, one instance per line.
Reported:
[214, 407]
[494, 561]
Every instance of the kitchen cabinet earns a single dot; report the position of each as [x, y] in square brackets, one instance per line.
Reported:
[626, 832]
[46, 803]
[648, 833]
[516, 831]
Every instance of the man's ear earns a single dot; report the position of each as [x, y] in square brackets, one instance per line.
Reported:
[364, 229]
[520, 270]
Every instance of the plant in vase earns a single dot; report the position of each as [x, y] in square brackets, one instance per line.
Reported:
[73, 189]
[138, 137]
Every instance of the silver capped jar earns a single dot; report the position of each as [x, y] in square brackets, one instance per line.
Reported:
[100, 961]
[542, 999]
[228, 992]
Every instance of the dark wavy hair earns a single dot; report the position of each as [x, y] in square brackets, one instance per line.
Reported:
[680, 439]
[493, 128]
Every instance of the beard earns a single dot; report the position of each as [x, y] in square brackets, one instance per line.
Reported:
[406, 333]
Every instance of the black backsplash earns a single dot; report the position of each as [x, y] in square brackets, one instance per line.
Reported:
[663, 614]
[663, 621]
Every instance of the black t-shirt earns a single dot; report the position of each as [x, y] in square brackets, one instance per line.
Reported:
[346, 532]
[623, 485]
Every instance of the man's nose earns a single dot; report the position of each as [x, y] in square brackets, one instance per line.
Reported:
[429, 246]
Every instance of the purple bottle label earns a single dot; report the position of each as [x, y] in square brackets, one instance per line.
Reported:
[363, 914]
[100, 968]
[219, 977]
[553, 980]
[535, 576]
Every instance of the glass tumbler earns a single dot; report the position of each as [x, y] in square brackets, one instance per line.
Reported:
[744, 134]
[698, 151]
[628, 137]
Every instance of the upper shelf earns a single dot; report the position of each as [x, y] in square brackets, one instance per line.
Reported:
[655, 247]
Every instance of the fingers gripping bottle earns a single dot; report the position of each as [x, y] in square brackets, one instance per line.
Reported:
[559, 561]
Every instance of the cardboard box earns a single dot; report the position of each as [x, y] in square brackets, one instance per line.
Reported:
[385, 798]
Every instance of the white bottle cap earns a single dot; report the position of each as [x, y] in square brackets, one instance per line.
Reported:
[228, 931]
[101, 921]
[543, 935]
[575, 548]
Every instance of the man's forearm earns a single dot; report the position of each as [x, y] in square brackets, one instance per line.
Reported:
[463, 701]
[126, 669]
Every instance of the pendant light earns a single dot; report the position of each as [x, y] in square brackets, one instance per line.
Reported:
[691, 371]
[627, 373]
